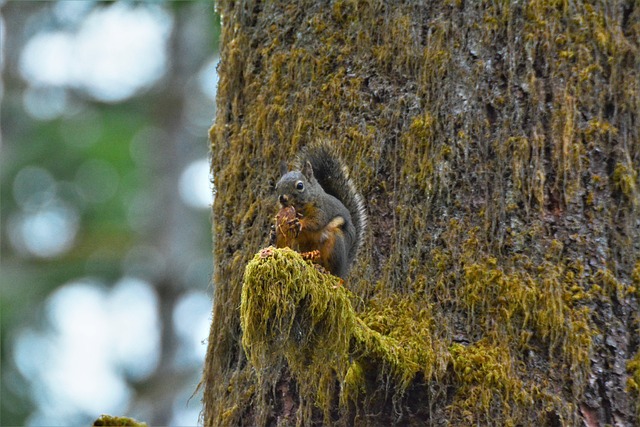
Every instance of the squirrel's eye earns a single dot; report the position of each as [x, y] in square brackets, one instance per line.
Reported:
[300, 185]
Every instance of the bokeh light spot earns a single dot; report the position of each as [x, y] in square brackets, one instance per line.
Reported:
[33, 188]
[49, 232]
[46, 102]
[191, 319]
[103, 58]
[195, 185]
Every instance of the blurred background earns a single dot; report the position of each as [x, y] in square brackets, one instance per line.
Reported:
[106, 265]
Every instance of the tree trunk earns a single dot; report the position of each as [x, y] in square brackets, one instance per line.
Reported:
[497, 145]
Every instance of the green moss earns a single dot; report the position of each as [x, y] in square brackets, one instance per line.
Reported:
[540, 303]
[293, 314]
[354, 384]
[290, 312]
[421, 134]
[289, 308]
[624, 179]
[635, 279]
[399, 331]
[633, 382]
[108, 420]
[487, 381]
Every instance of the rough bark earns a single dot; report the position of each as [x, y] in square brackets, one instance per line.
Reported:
[498, 147]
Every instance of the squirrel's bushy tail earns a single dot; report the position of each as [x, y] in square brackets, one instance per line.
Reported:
[333, 176]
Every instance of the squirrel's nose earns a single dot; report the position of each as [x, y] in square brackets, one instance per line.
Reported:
[283, 199]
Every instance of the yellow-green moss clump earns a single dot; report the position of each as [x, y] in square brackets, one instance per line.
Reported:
[635, 277]
[294, 316]
[289, 309]
[487, 380]
[633, 382]
[625, 179]
[399, 330]
[108, 420]
[291, 312]
[537, 301]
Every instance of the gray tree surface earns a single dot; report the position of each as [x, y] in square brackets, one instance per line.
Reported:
[497, 146]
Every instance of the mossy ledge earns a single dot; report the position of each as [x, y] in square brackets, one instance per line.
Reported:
[303, 325]
[108, 420]
[291, 312]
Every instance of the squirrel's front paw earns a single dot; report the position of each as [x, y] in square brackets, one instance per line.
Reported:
[313, 256]
[295, 225]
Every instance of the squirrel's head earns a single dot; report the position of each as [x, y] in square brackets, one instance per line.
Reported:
[297, 188]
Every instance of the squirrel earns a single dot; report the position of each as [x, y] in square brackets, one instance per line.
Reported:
[321, 215]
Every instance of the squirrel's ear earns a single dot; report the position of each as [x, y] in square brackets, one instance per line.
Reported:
[283, 167]
[307, 170]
